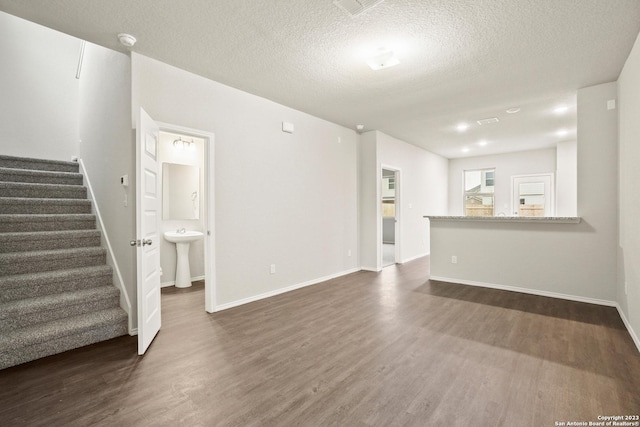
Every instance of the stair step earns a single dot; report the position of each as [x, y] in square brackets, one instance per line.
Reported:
[26, 312]
[47, 222]
[44, 191]
[42, 177]
[60, 259]
[21, 205]
[33, 285]
[37, 164]
[44, 339]
[48, 240]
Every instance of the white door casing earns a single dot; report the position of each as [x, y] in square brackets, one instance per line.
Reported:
[547, 196]
[147, 235]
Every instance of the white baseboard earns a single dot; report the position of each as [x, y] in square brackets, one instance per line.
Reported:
[282, 290]
[414, 258]
[375, 270]
[633, 334]
[173, 282]
[527, 291]
[119, 281]
[133, 332]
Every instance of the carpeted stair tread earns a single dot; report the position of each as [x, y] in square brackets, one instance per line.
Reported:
[37, 164]
[46, 222]
[48, 240]
[53, 337]
[32, 285]
[37, 190]
[26, 312]
[48, 260]
[23, 205]
[38, 176]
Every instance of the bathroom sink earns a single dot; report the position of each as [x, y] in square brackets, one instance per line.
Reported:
[186, 237]
[183, 241]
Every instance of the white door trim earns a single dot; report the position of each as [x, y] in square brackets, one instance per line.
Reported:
[209, 220]
[398, 224]
[552, 191]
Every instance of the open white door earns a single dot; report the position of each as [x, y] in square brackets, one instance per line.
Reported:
[147, 237]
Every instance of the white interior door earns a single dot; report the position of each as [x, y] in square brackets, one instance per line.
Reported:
[147, 240]
[533, 195]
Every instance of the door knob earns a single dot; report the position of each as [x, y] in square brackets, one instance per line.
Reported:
[146, 242]
[135, 243]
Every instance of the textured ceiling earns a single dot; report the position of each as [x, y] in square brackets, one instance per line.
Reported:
[460, 60]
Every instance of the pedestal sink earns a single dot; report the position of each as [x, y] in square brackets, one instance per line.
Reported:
[182, 241]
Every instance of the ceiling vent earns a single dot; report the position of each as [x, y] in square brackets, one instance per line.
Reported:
[356, 7]
[488, 121]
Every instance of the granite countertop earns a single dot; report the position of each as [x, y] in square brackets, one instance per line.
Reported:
[509, 219]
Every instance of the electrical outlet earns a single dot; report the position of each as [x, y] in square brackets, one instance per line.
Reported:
[126, 201]
[273, 269]
[454, 259]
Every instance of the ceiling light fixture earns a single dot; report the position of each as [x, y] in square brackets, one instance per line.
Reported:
[462, 127]
[561, 109]
[465, 150]
[384, 58]
[482, 142]
[513, 110]
[126, 39]
[182, 144]
[562, 132]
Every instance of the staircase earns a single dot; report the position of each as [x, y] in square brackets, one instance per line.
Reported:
[56, 291]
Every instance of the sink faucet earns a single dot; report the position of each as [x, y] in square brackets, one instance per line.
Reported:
[181, 230]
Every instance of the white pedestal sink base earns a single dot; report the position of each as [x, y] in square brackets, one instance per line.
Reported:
[183, 272]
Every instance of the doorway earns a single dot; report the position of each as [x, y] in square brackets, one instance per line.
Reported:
[183, 143]
[389, 245]
[533, 195]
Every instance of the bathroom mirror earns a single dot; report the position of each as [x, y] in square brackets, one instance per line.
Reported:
[180, 191]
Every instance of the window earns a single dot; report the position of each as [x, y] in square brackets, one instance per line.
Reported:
[479, 188]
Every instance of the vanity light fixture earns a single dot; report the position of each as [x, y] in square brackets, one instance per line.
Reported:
[182, 144]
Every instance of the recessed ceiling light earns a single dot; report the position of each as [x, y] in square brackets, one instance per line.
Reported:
[126, 39]
[482, 142]
[513, 110]
[561, 109]
[562, 132]
[462, 127]
[465, 150]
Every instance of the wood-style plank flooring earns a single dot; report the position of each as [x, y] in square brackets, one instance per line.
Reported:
[367, 349]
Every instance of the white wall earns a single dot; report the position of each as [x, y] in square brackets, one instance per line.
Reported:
[567, 178]
[283, 199]
[506, 165]
[368, 209]
[422, 190]
[629, 178]
[168, 154]
[107, 151]
[578, 260]
[39, 91]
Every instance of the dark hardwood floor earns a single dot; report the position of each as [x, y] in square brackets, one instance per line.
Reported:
[367, 349]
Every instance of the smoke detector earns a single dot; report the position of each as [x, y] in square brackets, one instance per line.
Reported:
[356, 7]
[126, 40]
